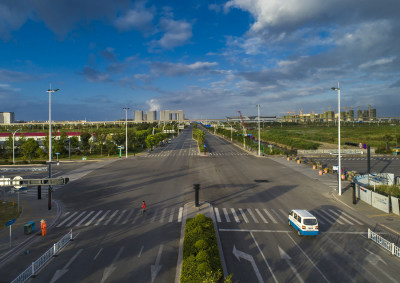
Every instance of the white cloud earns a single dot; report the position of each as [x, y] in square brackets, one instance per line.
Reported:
[179, 69]
[139, 19]
[177, 33]
[154, 105]
[378, 62]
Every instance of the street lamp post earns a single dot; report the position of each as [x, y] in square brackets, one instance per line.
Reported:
[126, 130]
[339, 155]
[259, 142]
[13, 133]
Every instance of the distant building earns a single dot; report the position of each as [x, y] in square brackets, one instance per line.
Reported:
[251, 119]
[7, 117]
[139, 116]
[151, 116]
[172, 115]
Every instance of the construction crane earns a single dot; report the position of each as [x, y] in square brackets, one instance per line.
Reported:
[244, 130]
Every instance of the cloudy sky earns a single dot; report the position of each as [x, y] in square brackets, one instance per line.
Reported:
[208, 58]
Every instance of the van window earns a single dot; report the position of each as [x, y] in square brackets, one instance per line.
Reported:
[310, 221]
[299, 219]
[291, 213]
[295, 216]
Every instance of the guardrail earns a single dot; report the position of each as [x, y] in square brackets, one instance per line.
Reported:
[391, 247]
[25, 169]
[37, 264]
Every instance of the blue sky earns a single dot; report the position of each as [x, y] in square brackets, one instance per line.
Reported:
[208, 58]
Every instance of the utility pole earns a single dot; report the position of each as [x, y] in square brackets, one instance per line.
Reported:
[259, 142]
[126, 130]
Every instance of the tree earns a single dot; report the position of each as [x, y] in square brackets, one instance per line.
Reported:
[150, 141]
[29, 148]
[85, 137]
[387, 139]
[59, 145]
[101, 137]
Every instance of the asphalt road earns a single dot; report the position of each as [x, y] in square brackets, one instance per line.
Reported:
[251, 198]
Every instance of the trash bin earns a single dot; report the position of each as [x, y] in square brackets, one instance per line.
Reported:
[29, 227]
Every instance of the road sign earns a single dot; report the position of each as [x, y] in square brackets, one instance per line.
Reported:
[121, 147]
[16, 182]
[10, 222]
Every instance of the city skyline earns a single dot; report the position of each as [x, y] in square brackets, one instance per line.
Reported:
[210, 59]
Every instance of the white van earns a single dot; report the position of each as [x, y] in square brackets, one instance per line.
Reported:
[304, 222]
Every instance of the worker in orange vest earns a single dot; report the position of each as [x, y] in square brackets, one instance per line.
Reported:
[43, 226]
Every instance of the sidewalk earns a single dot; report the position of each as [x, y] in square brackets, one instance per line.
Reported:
[369, 213]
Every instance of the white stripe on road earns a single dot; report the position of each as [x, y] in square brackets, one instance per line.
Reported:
[163, 215]
[62, 223]
[318, 213]
[262, 216]
[128, 216]
[252, 215]
[75, 219]
[226, 215]
[180, 214]
[328, 215]
[84, 218]
[94, 217]
[120, 216]
[171, 217]
[270, 216]
[217, 214]
[277, 215]
[111, 217]
[235, 215]
[352, 218]
[101, 218]
[154, 217]
[341, 217]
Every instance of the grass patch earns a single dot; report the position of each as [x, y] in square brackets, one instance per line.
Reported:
[8, 211]
[386, 190]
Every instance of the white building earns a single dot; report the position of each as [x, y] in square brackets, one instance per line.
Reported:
[7, 117]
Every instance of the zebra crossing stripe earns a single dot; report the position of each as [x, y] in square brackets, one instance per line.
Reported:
[94, 217]
[226, 215]
[171, 217]
[139, 212]
[128, 216]
[74, 220]
[62, 223]
[318, 218]
[323, 217]
[262, 216]
[270, 216]
[235, 215]
[335, 220]
[154, 217]
[101, 218]
[111, 217]
[120, 216]
[341, 217]
[163, 215]
[252, 215]
[180, 214]
[84, 218]
[277, 215]
[352, 218]
[217, 214]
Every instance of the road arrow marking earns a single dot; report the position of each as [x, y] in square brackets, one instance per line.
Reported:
[239, 254]
[373, 258]
[287, 258]
[110, 269]
[59, 273]
[156, 267]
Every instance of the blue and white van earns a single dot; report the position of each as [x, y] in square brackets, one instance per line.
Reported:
[304, 222]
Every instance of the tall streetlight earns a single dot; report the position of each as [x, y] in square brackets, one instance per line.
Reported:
[339, 156]
[259, 142]
[13, 133]
[126, 130]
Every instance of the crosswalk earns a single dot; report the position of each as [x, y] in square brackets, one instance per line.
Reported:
[326, 216]
[195, 153]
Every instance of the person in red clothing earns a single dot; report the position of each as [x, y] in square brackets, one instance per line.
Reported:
[143, 207]
[43, 226]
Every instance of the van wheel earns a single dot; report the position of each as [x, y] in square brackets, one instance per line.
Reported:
[298, 233]
[289, 223]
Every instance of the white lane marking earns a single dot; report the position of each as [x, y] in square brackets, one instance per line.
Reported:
[285, 214]
[72, 215]
[97, 254]
[235, 215]
[84, 218]
[128, 216]
[180, 214]
[277, 215]
[239, 254]
[140, 253]
[316, 267]
[102, 217]
[94, 217]
[352, 218]
[111, 217]
[323, 217]
[328, 215]
[119, 217]
[217, 214]
[252, 215]
[137, 216]
[318, 218]
[154, 217]
[110, 269]
[270, 216]
[226, 215]
[163, 215]
[171, 216]
[262, 216]
[75, 219]
[265, 260]
[287, 258]
[341, 217]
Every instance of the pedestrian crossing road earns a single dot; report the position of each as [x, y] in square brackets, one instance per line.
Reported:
[326, 217]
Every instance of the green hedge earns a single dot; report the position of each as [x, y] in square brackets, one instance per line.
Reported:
[201, 259]
[386, 190]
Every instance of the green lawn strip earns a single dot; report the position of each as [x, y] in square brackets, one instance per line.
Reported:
[201, 259]
[8, 211]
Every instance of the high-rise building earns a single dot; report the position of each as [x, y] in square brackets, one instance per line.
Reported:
[138, 116]
[172, 115]
[151, 116]
[7, 117]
